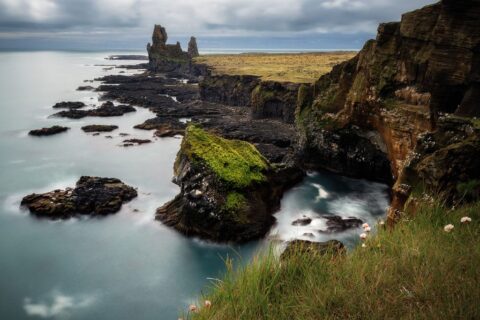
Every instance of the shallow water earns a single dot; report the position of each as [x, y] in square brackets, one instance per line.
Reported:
[126, 265]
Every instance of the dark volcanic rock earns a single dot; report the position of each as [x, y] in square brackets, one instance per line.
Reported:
[165, 57]
[131, 142]
[99, 128]
[192, 48]
[338, 224]
[301, 247]
[163, 126]
[69, 105]
[85, 88]
[108, 109]
[228, 89]
[302, 222]
[91, 196]
[48, 131]
[215, 205]
[272, 99]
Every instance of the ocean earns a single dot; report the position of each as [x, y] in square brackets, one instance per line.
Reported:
[127, 265]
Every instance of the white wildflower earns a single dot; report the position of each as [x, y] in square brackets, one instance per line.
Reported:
[466, 220]
[208, 303]
[363, 236]
[448, 227]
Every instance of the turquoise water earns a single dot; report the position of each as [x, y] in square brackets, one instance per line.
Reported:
[125, 266]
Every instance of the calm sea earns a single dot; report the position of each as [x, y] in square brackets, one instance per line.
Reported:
[125, 266]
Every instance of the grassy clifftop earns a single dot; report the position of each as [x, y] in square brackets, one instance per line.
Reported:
[294, 67]
[236, 163]
[415, 271]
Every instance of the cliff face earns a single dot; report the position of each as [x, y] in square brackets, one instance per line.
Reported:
[393, 92]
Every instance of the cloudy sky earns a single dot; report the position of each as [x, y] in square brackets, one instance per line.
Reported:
[127, 24]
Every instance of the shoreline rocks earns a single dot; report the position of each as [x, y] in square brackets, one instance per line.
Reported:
[91, 196]
[99, 128]
[69, 105]
[48, 131]
[107, 109]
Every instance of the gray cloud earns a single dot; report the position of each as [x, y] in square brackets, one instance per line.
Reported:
[222, 17]
[96, 22]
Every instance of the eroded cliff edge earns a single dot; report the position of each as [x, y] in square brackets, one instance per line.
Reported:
[407, 101]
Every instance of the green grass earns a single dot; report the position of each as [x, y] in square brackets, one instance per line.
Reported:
[236, 163]
[415, 271]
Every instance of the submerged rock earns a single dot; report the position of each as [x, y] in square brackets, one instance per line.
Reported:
[302, 222]
[131, 142]
[69, 105]
[99, 128]
[339, 224]
[301, 247]
[107, 109]
[85, 88]
[91, 196]
[48, 131]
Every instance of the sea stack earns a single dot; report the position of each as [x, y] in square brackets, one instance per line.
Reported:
[192, 48]
[165, 57]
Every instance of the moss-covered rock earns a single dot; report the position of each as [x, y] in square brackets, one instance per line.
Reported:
[228, 189]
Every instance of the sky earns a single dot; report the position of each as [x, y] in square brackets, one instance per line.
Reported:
[217, 24]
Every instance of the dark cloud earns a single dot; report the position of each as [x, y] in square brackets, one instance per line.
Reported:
[133, 19]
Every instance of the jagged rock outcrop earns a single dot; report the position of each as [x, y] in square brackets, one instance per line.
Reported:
[107, 109]
[165, 57]
[48, 131]
[228, 189]
[91, 196]
[192, 48]
[393, 92]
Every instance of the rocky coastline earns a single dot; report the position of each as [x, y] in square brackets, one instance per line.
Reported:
[384, 116]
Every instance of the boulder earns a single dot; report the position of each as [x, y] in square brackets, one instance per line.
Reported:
[69, 105]
[48, 131]
[91, 196]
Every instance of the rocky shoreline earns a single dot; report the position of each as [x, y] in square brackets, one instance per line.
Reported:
[382, 116]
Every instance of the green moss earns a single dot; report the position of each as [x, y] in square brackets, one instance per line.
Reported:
[236, 205]
[236, 163]
[235, 201]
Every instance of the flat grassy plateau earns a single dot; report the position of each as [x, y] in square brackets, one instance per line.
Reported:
[291, 67]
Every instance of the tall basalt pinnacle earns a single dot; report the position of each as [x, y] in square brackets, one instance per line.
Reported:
[159, 35]
[192, 48]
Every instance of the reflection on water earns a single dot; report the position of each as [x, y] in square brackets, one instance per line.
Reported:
[124, 266]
